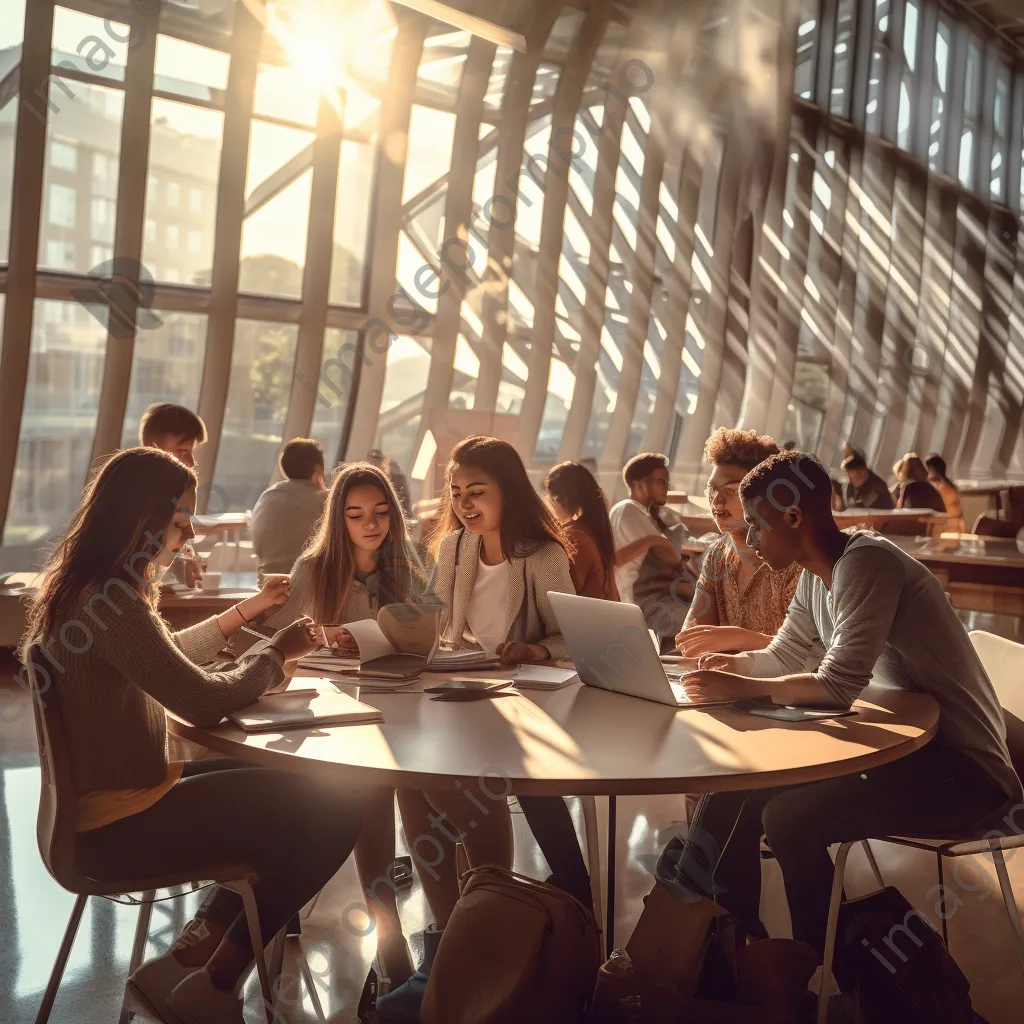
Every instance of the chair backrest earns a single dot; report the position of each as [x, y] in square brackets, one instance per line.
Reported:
[1004, 662]
[55, 824]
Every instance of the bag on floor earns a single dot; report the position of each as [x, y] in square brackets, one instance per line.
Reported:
[892, 962]
[515, 951]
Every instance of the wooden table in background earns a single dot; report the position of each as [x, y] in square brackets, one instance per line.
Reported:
[583, 741]
[179, 608]
[981, 574]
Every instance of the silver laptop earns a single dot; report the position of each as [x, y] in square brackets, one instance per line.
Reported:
[611, 648]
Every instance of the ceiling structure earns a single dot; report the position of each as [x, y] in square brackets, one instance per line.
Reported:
[375, 229]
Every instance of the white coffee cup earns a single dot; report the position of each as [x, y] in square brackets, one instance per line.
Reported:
[211, 581]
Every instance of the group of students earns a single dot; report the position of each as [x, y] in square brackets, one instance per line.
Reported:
[497, 549]
[920, 483]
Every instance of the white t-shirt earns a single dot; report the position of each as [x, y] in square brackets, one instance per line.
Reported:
[630, 521]
[488, 606]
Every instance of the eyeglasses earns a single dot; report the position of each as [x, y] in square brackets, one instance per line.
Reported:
[726, 491]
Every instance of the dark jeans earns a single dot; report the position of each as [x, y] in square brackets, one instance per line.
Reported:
[935, 792]
[293, 832]
[551, 823]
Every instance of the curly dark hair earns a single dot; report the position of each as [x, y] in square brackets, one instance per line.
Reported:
[745, 448]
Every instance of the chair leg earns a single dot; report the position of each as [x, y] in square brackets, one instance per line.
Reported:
[942, 889]
[314, 996]
[1009, 901]
[593, 837]
[256, 939]
[870, 854]
[62, 960]
[142, 931]
[830, 931]
[138, 948]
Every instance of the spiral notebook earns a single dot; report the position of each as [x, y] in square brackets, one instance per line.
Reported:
[305, 708]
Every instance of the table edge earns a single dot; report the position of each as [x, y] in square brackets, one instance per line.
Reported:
[404, 779]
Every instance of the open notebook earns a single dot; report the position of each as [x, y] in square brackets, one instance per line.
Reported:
[292, 709]
[391, 648]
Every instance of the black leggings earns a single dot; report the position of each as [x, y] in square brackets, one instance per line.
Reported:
[294, 833]
[551, 823]
[936, 791]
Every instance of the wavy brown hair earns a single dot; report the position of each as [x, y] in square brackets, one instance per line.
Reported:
[526, 520]
[573, 486]
[119, 523]
[329, 552]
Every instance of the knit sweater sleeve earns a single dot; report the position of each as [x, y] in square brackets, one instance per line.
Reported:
[300, 603]
[139, 647]
[202, 642]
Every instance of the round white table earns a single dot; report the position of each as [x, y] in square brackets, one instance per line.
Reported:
[583, 741]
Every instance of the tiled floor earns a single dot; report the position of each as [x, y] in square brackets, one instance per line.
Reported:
[34, 910]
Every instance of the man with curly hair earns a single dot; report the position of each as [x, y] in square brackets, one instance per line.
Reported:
[740, 601]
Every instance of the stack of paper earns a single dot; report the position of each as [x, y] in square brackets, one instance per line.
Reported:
[293, 708]
[544, 677]
[329, 664]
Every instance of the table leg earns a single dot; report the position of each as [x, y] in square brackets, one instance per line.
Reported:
[610, 901]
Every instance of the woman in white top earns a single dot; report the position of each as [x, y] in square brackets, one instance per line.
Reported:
[499, 550]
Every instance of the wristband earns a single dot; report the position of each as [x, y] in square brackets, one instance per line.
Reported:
[238, 608]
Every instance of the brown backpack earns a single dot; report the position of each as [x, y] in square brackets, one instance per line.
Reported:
[515, 950]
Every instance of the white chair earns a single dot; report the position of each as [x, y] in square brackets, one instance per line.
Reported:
[1004, 662]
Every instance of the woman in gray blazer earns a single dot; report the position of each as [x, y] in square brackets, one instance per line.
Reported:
[499, 550]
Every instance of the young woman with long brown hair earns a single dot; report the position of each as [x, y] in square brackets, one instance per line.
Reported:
[578, 501]
[115, 667]
[359, 559]
[499, 551]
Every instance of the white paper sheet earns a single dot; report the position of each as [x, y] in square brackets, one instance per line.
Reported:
[544, 677]
[370, 639]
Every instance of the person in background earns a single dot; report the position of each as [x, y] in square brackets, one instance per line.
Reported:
[838, 501]
[641, 522]
[394, 473]
[912, 488]
[287, 512]
[179, 432]
[651, 570]
[849, 451]
[499, 551]
[358, 560]
[582, 508]
[864, 488]
[936, 466]
[740, 602]
[137, 811]
[881, 617]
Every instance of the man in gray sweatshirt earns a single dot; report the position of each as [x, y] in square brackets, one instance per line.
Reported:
[882, 617]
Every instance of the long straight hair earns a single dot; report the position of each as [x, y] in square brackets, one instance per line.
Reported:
[332, 560]
[573, 486]
[526, 520]
[120, 522]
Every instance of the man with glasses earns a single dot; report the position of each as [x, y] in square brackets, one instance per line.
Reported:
[740, 602]
[649, 568]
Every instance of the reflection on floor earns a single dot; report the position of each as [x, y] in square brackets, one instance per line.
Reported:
[34, 910]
